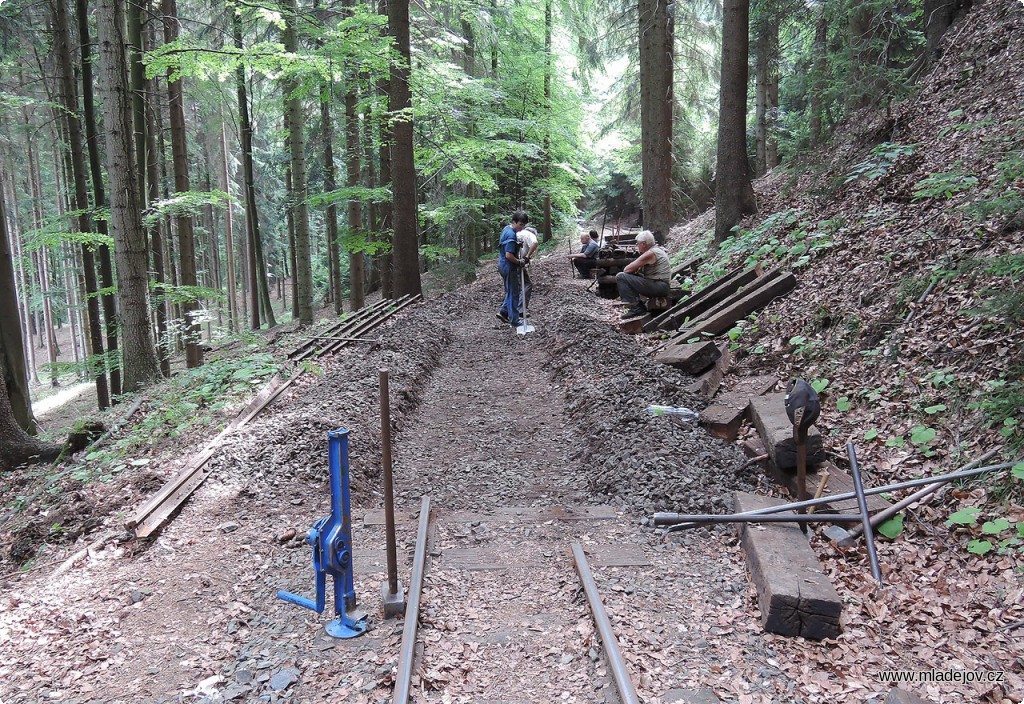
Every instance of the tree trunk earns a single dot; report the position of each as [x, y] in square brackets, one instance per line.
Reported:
[137, 76]
[25, 310]
[818, 79]
[734, 195]
[386, 260]
[39, 259]
[16, 446]
[656, 101]
[156, 238]
[303, 270]
[179, 155]
[406, 266]
[861, 87]
[356, 271]
[761, 101]
[331, 215]
[229, 237]
[15, 378]
[80, 201]
[772, 147]
[140, 364]
[99, 197]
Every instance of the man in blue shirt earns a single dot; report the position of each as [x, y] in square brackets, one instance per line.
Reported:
[509, 265]
[586, 259]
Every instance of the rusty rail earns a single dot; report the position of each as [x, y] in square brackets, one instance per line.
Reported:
[617, 663]
[155, 512]
[403, 679]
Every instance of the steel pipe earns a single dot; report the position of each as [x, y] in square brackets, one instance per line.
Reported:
[865, 517]
[627, 692]
[677, 519]
[403, 680]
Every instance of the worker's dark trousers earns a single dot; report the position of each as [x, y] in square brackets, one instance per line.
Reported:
[631, 287]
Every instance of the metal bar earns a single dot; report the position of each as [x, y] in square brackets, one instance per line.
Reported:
[884, 515]
[751, 517]
[673, 519]
[865, 517]
[389, 492]
[403, 678]
[627, 692]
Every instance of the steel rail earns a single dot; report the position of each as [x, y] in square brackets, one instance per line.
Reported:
[155, 512]
[313, 346]
[682, 521]
[403, 679]
[627, 692]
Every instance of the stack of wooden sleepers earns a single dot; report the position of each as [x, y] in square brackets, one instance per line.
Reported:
[716, 308]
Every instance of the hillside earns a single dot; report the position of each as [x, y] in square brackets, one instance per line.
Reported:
[909, 251]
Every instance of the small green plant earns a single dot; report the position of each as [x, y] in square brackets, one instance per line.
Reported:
[997, 533]
[819, 385]
[871, 434]
[843, 404]
[943, 185]
[878, 164]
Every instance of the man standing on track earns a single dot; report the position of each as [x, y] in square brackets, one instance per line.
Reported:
[509, 265]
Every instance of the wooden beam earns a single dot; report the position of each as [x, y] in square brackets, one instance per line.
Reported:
[707, 383]
[795, 595]
[725, 416]
[704, 299]
[773, 425]
[722, 319]
[692, 359]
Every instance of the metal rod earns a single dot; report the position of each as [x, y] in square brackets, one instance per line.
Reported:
[389, 490]
[865, 517]
[751, 517]
[884, 515]
[627, 692]
[671, 519]
[403, 679]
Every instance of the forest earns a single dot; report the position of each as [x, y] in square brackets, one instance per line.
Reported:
[168, 172]
[223, 224]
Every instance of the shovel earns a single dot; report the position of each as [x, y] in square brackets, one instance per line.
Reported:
[524, 324]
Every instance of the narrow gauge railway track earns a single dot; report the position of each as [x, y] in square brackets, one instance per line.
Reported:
[157, 510]
[535, 671]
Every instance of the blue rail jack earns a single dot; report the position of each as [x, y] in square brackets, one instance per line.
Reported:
[331, 538]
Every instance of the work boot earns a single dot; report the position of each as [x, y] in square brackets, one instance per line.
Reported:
[503, 318]
[636, 311]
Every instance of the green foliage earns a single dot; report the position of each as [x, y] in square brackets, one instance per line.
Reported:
[1008, 535]
[843, 404]
[892, 528]
[185, 204]
[819, 385]
[184, 294]
[882, 159]
[943, 185]
[1004, 298]
[1000, 401]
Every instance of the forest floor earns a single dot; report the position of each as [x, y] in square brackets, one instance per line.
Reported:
[485, 421]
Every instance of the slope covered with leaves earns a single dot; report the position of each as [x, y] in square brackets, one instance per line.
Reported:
[905, 232]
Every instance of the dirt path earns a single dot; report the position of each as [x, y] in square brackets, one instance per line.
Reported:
[524, 444]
